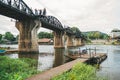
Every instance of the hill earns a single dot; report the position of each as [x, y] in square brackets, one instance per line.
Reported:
[95, 35]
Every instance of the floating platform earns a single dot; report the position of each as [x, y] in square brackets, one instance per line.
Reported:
[97, 59]
[92, 59]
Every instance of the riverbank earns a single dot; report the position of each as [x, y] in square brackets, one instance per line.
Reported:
[103, 42]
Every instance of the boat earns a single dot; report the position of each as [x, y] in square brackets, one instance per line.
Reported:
[2, 52]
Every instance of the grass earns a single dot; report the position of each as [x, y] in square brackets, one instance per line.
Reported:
[79, 72]
[16, 69]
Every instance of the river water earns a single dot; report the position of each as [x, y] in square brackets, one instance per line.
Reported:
[49, 57]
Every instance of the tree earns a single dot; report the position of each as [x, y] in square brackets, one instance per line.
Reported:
[0, 37]
[75, 30]
[9, 36]
[96, 35]
[45, 35]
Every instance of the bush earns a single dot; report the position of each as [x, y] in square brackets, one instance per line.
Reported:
[116, 43]
[15, 69]
[79, 72]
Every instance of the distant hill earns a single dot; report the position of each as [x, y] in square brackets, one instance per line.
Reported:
[95, 35]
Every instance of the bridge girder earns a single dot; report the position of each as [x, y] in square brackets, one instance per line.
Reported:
[16, 9]
[51, 22]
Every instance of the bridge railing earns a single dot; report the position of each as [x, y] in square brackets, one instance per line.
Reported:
[19, 5]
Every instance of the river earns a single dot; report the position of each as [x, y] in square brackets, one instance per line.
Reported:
[49, 57]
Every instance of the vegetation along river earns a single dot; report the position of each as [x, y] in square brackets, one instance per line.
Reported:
[49, 57]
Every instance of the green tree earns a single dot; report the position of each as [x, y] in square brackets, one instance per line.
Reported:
[9, 36]
[45, 35]
[76, 30]
[96, 35]
[78, 33]
[0, 37]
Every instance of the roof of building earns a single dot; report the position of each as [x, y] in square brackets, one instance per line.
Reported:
[44, 40]
[115, 30]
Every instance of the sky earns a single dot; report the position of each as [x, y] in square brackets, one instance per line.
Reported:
[87, 15]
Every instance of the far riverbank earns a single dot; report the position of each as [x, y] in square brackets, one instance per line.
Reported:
[104, 42]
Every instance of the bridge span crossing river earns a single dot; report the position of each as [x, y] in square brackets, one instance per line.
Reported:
[49, 57]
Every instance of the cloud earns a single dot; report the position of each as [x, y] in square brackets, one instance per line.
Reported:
[6, 25]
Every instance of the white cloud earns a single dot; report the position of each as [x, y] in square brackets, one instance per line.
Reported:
[7, 25]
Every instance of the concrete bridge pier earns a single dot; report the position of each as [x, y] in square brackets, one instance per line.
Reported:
[70, 42]
[28, 35]
[82, 42]
[59, 39]
[78, 42]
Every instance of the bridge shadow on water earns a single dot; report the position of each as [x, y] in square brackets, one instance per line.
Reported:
[50, 60]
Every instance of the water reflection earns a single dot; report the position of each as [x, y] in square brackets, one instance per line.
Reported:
[59, 57]
[46, 61]
[49, 60]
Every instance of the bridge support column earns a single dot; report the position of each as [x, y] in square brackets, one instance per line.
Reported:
[58, 40]
[70, 42]
[77, 42]
[82, 42]
[28, 35]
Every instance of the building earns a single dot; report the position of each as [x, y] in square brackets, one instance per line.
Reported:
[115, 33]
[45, 41]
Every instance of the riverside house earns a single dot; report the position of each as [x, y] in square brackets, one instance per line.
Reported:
[45, 41]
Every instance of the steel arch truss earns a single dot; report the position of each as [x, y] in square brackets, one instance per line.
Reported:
[52, 21]
[18, 4]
